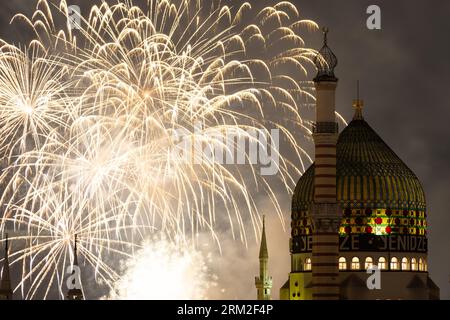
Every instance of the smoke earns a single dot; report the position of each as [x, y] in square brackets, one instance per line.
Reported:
[238, 264]
[168, 269]
[164, 270]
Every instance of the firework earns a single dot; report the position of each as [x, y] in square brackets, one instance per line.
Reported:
[33, 99]
[165, 270]
[88, 119]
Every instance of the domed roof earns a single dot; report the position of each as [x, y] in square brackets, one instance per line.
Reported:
[369, 175]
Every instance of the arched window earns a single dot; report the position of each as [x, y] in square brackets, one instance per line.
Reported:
[413, 264]
[342, 263]
[382, 263]
[369, 263]
[425, 266]
[394, 263]
[421, 268]
[405, 263]
[355, 263]
[308, 264]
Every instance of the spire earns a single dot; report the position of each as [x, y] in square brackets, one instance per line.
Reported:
[5, 282]
[325, 61]
[263, 252]
[358, 105]
[74, 282]
[75, 252]
[264, 281]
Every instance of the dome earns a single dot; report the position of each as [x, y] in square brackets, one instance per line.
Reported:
[376, 191]
[369, 174]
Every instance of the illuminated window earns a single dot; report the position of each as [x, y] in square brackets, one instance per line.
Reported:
[308, 264]
[421, 268]
[414, 264]
[369, 263]
[425, 266]
[382, 263]
[394, 263]
[355, 263]
[405, 264]
[342, 263]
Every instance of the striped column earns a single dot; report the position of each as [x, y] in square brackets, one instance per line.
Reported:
[325, 169]
[324, 212]
[325, 273]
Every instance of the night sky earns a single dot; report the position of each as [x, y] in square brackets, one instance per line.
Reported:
[403, 71]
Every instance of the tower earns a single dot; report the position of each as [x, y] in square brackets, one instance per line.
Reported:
[324, 213]
[6, 292]
[74, 283]
[264, 281]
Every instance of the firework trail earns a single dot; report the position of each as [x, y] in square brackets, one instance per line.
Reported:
[88, 119]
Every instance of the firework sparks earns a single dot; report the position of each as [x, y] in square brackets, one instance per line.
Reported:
[164, 270]
[88, 119]
[33, 99]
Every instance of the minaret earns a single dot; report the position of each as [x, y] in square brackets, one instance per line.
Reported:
[264, 281]
[6, 292]
[325, 214]
[75, 293]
